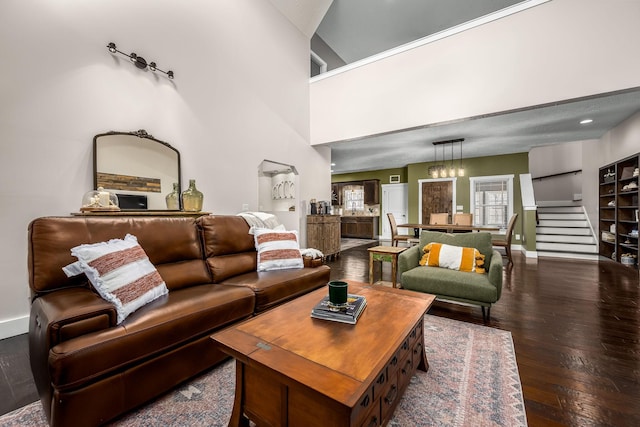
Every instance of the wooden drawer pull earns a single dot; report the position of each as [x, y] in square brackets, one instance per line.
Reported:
[391, 396]
[365, 402]
[416, 349]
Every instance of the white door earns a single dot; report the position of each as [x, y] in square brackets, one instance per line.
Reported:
[395, 199]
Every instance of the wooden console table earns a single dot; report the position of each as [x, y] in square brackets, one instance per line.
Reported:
[141, 213]
[293, 370]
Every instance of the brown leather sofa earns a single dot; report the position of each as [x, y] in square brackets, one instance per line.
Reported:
[87, 369]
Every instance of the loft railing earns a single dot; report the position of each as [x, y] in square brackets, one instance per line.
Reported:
[540, 178]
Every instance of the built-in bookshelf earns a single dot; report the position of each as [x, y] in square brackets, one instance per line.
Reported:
[618, 210]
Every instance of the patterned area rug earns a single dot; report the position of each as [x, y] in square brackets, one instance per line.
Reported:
[346, 243]
[473, 380]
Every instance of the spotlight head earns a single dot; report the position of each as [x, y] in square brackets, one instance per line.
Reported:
[112, 47]
[140, 62]
[170, 74]
[152, 66]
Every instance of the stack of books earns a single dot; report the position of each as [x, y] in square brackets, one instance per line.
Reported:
[347, 314]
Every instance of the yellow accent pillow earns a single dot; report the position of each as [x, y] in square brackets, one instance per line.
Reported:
[453, 257]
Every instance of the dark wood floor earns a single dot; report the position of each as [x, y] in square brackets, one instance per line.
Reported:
[576, 333]
[575, 328]
[16, 387]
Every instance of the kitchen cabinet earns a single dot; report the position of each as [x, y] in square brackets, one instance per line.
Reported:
[360, 227]
[336, 194]
[371, 191]
[323, 233]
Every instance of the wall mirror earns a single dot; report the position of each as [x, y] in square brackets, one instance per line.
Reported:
[139, 168]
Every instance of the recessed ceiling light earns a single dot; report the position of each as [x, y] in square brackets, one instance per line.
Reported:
[586, 121]
[333, 164]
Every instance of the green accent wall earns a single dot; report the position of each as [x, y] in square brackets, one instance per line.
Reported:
[383, 175]
[507, 164]
[529, 224]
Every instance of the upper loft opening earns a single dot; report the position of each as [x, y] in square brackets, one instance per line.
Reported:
[358, 31]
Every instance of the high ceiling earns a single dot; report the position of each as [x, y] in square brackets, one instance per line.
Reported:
[514, 132]
[356, 29]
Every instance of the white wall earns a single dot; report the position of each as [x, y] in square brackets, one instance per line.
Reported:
[559, 50]
[240, 95]
[556, 159]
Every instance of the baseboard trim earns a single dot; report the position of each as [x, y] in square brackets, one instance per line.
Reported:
[12, 327]
[529, 254]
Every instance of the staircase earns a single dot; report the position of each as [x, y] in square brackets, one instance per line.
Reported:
[564, 231]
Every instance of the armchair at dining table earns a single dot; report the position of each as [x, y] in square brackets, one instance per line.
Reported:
[451, 285]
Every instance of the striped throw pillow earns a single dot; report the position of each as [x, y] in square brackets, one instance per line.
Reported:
[121, 273]
[453, 257]
[277, 250]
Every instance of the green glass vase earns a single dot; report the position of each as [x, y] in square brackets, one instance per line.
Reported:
[173, 198]
[192, 198]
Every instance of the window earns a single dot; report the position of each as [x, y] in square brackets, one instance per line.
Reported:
[353, 198]
[491, 200]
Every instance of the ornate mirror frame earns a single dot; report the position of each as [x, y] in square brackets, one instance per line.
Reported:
[139, 168]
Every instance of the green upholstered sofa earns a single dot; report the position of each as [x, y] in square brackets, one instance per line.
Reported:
[452, 285]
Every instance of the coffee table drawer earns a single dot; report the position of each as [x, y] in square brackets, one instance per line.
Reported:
[365, 405]
[380, 383]
[372, 419]
[416, 334]
[389, 397]
[405, 371]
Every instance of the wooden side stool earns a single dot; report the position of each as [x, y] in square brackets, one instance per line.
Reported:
[385, 254]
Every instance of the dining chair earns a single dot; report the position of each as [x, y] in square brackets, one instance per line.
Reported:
[438, 218]
[463, 219]
[395, 237]
[506, 241]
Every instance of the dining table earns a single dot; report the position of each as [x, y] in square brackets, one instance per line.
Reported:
[449, 228]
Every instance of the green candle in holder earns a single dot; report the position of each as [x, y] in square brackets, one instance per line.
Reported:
[338, 293]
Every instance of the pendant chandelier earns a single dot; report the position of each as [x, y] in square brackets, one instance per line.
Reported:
[447, 168]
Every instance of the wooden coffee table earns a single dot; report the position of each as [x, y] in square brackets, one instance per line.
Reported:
[293, 370]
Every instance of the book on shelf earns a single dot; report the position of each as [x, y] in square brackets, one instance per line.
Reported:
[347, 314]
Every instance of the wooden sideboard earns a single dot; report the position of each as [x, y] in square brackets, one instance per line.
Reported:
[323, 233]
